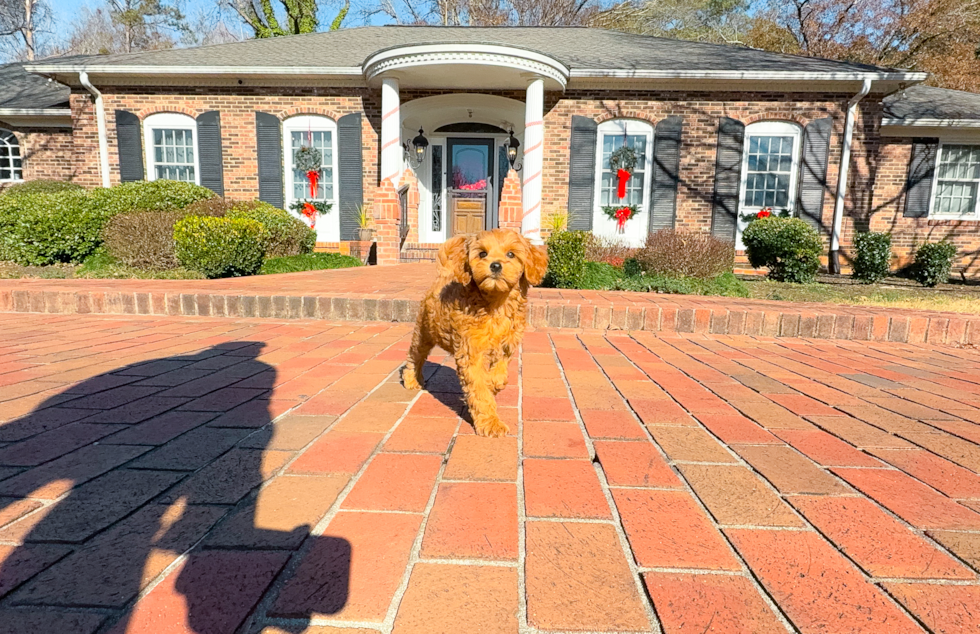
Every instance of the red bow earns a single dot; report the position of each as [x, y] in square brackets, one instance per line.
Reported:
[314, 177]
[763, 214]
[310, 212]
[622, 215]
[623, 176]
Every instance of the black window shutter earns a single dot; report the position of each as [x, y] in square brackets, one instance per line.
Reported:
[922, 167]
[350, 171]
[268, 143]
[129, 140]
[728, 179]
[813, 172]
[666, 173]
[581, 173]
[209, 151]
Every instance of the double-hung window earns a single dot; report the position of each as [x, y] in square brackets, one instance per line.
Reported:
[770, 170]
[320, 133]
[957, 180]
[171, 147]
[612, 135]
[10, 161]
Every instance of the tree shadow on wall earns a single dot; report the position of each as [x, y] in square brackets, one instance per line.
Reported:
[152, 465]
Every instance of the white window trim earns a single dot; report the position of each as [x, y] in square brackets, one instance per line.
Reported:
[168, 121]
[619, 127]
[769, 128]
[20, 155]
[935, 184]
[328, 226]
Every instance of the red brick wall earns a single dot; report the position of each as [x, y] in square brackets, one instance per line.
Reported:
[237, 107]
[45, 152]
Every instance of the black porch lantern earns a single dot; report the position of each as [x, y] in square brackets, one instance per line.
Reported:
[419, 145]
[512, 145]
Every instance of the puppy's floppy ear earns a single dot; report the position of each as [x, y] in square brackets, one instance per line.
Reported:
[454, 256]
[537, 263]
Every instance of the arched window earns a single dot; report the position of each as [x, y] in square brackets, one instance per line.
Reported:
[321, 133]
[770, 168]
[10, 161]
[171, 147]
[612, 135]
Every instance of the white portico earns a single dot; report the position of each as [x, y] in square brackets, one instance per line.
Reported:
[468, 130]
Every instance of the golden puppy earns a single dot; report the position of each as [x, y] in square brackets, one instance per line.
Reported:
[477, 310]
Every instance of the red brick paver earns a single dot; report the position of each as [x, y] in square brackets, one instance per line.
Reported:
[206, 474]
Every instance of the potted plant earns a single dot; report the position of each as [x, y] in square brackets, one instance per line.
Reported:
[363, 217]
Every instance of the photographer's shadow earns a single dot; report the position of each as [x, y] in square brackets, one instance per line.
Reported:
[175, 493]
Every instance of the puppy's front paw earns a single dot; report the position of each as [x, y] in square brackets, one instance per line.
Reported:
[491, 427]
[409, 380]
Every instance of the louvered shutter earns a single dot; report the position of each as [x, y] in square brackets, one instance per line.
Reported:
[813, 172]
[129, 140]
[666, 173]
[350, 164]
[728, 178]
[581, 173]
[268, 145]
[922, 168]
[209, 151]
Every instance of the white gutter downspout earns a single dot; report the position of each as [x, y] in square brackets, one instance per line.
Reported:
[833, 260]
[100, 118]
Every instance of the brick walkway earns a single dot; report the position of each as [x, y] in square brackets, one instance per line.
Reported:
[392, 293]
[692, 484]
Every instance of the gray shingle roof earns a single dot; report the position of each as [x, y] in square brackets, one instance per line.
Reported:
[926, 102]
[576, 47]
[21, 89]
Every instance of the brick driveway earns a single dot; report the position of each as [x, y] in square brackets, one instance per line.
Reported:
[692, 484]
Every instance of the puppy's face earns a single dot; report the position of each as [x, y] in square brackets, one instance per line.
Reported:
[498, 259]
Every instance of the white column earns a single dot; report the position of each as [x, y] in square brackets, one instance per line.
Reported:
[391, 131]
[533, 160]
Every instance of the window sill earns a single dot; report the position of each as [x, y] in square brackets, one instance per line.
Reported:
[953, 222]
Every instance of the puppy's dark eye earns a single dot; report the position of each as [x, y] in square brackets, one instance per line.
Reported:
[510, 254]
[483, 254]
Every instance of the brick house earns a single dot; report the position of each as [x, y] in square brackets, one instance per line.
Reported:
[421, 123]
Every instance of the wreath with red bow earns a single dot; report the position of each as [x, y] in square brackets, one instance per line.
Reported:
[620, 213]
[622, 161]
[310, 160]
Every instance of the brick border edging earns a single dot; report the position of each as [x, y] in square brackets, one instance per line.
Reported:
[892, 326]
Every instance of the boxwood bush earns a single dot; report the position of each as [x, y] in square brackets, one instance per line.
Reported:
[933, 262]
[285, 234]
[874, 253]
[40, 186]
[67, 226]
[566, 259]
[788, 246]
[220, 247]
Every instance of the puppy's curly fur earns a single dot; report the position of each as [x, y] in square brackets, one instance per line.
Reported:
[477, 310]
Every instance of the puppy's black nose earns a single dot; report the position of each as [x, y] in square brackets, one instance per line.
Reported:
[496, 267]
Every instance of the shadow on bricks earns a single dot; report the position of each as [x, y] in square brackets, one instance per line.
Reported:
[139, 483]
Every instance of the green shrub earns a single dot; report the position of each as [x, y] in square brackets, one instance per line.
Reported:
[566, 259]
[285, 234]
[40, 186]
[220, 247]
[788, 246]
[933, 262]
[308, 262]
[41, 229]
[599, 276]
[686, 254]
[874, 253]
[67, 226]
[726, 285]
[631, 267]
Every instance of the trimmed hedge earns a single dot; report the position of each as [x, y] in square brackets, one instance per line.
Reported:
[566, 259]
[874, 252]
[788, 246]
[933, 263]
[220, 247]
[285, 234]
[67, 226]
[40, 186]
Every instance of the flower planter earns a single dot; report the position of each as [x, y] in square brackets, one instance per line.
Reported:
[365, 235]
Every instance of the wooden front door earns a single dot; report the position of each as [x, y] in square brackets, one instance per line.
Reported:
[470, 180]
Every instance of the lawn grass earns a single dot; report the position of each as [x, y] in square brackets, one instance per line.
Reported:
[891, 293]
[307, 262]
